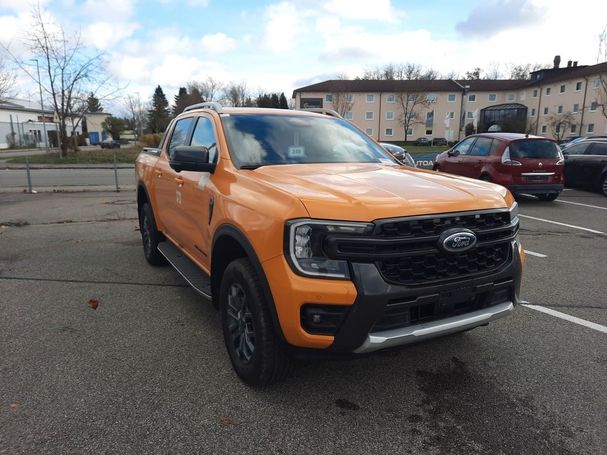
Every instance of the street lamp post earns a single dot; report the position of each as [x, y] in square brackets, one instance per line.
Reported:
[42, 106]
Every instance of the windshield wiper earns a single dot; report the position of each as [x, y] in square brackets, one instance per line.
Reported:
[251, 166]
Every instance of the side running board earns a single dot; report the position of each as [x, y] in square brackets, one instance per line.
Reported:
[197, 278]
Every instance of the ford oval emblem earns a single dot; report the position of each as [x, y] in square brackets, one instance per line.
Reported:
[457, 240]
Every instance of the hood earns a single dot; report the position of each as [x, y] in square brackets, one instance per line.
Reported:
[365, 192]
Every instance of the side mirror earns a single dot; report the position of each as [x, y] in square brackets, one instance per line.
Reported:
[186, 158]
[453, 152]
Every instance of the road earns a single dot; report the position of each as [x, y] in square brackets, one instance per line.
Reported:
[147, 371]
[46, 178]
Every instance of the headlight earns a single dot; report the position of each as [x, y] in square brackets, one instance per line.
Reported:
[304, 246]
[514, 213]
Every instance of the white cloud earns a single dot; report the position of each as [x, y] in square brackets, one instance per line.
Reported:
[282, 27]
[217, 43]
[376, 10]
[105, 35]
[108, 9]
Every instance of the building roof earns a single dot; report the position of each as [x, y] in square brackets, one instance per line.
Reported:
[14, 104]
[448, 85]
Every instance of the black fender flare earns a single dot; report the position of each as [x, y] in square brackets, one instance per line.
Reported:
[236, 234]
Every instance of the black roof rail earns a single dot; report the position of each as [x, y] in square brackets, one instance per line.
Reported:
[209, 105]
[322, 110]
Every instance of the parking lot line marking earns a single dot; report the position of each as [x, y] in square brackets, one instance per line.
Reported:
[566, 317]
[583, 205]
[562, 224]
[537, 255]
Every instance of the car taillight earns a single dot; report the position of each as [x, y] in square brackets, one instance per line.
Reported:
[561, 160]
[507, 161]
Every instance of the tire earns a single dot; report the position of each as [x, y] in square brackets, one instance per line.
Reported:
[258, 356]
[548, 196]
[485, 178]
[603, 186]
[150, 236]
[436, 168]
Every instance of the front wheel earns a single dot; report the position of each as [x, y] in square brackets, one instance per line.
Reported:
[150, 236]
[548, 196]
[604, 185]
[258, 356]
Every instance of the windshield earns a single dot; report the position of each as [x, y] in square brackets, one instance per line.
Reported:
[534, 148]
[259, 140]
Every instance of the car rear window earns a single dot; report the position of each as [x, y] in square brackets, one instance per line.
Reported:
[534, 148]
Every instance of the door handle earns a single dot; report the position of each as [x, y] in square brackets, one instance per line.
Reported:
[179, 181]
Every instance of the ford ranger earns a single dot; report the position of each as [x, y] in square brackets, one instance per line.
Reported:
[309, 237]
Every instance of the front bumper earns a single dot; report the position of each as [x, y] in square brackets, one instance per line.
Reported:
[494, 296]
[540, 188]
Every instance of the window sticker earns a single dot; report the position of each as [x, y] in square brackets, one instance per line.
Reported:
[296, 151]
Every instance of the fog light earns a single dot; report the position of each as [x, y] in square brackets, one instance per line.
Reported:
[322, 319]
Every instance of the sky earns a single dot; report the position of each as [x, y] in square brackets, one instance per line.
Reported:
[277, 46]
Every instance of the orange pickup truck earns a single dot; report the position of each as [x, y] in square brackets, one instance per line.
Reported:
[309, 237]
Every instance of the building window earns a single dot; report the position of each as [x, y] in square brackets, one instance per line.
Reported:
[368, 115]
[349, 97]
[533, 112]
[431, 98]
[510, 97]
[578, 86]
[573, 128]
[370, 98]
[451, 97]
[388, 131]
[543, 128]
[548, 90]
[545, 111]
[590, 128]
[596, 83]
[535, 93]
[576, 108]
[329, 98]
[470, 114]
[390, 115]
[391, 99]
[472, 98]
[492, 96]
[409, 131]
[349, 115]
[369, 131]
[593, 106]
[429, 122]
[562, 89]
[451, 114]
[559, 110]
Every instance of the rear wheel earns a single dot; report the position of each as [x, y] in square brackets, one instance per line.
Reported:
[548, 196]
[485, 178]
[258, 356]
[150, 236]
[604, 185]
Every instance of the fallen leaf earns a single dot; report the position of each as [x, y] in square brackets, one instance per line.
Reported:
[228, 421]
[14, 405]
[67, 221]
[93, 303]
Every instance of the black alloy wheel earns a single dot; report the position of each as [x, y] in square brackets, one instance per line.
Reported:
[150, 236]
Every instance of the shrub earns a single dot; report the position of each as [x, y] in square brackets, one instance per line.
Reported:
[151, 140]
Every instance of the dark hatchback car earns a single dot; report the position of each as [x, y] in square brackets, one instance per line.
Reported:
[520, 162]
[422, 141]
[399, 153]
[110, 144]
[586, 164]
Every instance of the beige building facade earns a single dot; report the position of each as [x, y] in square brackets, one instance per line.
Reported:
[376, 106]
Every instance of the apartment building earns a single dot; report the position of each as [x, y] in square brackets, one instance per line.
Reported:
[376, 106]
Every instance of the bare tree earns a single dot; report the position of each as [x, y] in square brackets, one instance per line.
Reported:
[399, 72]
[559, 123]
[524, 71]
[69, 73]
[210, 89]
[137, 115]
[237, 94]
[7, 81]
[411, 103]
[341, 100]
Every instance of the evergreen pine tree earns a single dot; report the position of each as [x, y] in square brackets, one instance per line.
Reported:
[159, 114]
[275, 101]
[283, 101]
[181, 101]
[93, 104]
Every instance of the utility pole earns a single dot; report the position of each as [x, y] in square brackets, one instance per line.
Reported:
[42, 106]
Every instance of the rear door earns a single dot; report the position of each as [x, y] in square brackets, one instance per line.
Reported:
[478, 155]
[574, 157]
[538, 158]
[592, 163]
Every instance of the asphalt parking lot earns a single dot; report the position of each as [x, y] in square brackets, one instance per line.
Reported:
[146, 371]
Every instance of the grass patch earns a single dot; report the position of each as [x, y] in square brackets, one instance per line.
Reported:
[100, 156]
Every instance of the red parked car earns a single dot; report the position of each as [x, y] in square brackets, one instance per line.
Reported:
[520, 162]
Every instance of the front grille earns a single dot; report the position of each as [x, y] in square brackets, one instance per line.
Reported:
[406, 250]
[437, 266]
